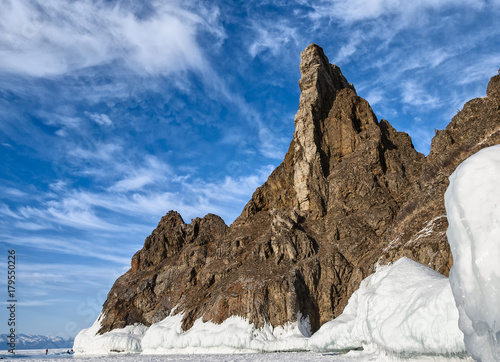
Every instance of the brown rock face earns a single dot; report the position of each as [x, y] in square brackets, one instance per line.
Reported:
[351, 192]
[419, 230]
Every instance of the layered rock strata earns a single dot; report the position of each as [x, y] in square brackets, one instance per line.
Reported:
[352, 191]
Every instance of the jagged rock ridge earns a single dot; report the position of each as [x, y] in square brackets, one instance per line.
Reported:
[351, 192]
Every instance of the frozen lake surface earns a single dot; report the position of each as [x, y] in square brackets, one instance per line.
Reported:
[39, 355]
[352, 356]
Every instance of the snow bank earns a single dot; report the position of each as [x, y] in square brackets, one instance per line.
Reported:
[127, 340]
[403, 309]
[473, 208]
[233, 335]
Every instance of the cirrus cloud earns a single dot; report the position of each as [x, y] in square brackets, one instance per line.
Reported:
[54, 37]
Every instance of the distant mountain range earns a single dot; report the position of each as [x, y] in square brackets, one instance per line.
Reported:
[29, 341]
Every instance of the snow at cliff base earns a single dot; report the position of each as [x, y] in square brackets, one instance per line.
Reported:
[234, 335]
[473, 208]
[403, 309]
[126, 339]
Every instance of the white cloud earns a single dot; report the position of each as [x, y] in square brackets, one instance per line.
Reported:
[50, 274]
[66, 123]
[140, 192]
[66, 212]
[271, 144]
[59, 185]
[101, 151]
[6, 211]
[374, 28]
[272, 36]
[133, 183]
[73, 246]
[357, 10]
[55, 36]
[415, 95]
[485, 67]
[347, 50]
[31, 226]
[12, 192]
[41, 303]
[375, 96]
[136, 177]
[232, 188]
[100, 119]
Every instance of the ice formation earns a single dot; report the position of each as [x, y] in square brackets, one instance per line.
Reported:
[402, 309]
[473, 208]
[234, 335]
[126, 339]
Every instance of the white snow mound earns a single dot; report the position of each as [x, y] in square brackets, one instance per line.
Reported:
[127, 339]
[402, 309]
[473, 209]
[234, 335]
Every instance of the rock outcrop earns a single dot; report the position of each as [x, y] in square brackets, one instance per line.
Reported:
[351, 192]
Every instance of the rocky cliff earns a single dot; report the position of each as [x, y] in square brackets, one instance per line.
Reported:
[352, 191]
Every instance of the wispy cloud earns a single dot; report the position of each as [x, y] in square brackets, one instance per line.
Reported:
[231, 189]
[52, 273]
[272, 36]
[131, 204]
[100, 119]
[97, 151]
[10, 192]
[53, 37]
[357, 10]
[137, 177]
[6, 211]
[31, 226]
[415, 95]
[72, 246]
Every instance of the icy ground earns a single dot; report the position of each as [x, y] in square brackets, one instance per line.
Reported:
[352, 356]
[36, 355]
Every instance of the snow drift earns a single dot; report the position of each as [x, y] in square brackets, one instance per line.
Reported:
[234, 335]
[473, 208]
[127, 339]
[402, 309]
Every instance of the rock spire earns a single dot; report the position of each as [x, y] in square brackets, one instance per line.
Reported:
[351, 191]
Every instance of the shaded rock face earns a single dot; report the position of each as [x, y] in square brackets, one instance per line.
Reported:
[351, 192]
[419, 230]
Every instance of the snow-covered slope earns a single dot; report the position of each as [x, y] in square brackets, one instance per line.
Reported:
[473, 208]
[234, 335]
[28, 341]
[402, 309]
[126, 339]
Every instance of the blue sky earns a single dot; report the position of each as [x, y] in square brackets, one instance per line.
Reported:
[114, 112]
